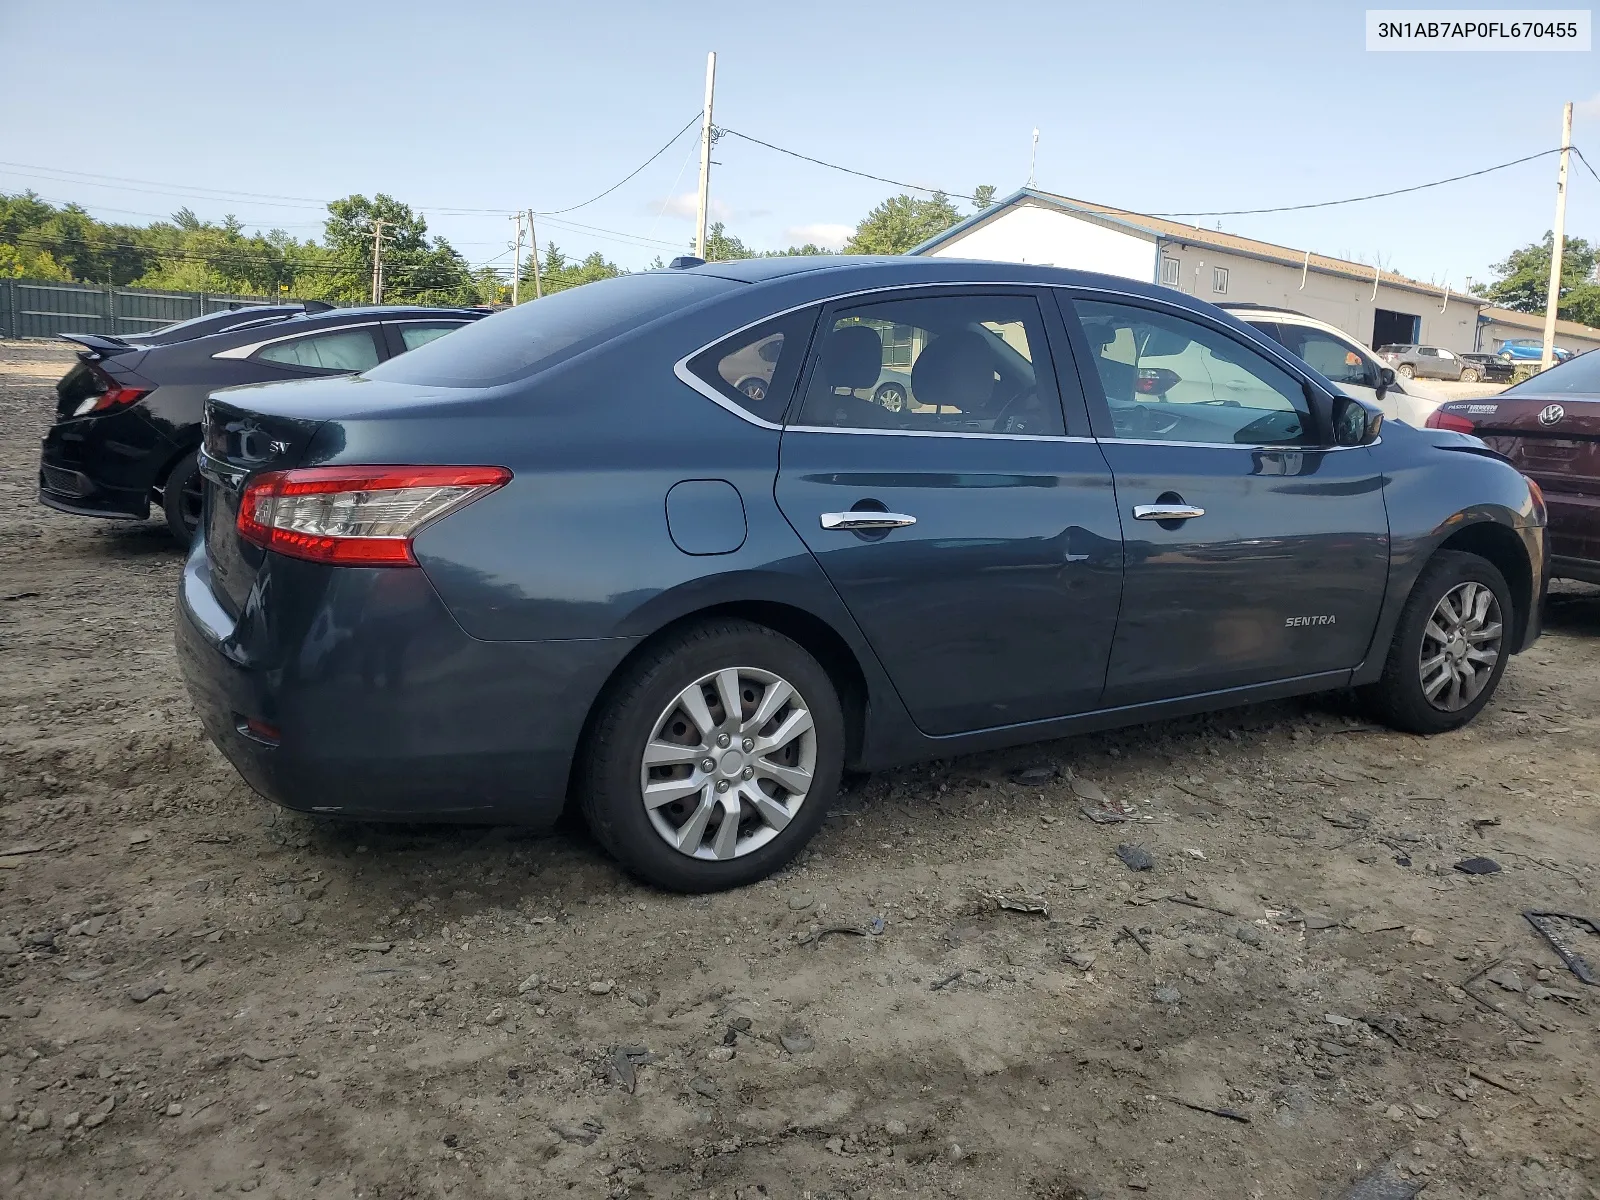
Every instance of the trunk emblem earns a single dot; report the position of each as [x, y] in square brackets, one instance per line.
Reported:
[1551, 413]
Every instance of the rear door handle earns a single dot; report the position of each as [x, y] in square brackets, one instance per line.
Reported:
[864, 519]
[1166, 512]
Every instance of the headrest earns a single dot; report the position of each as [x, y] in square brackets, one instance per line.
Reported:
[956, 370]
[853, 357]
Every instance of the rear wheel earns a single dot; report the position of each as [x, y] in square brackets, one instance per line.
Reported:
[181, 498]
[1405, 371]
[891, 396]
[1449, 649]
[714, 759]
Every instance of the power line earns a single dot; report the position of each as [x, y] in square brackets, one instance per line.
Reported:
[913, 187]
[555, 212]
[1250, 212]
[1585, 163]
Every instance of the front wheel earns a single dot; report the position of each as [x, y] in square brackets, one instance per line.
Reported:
[714, 758]
[891, 396]
[1470, 375]
[182, 498]
[1449, 649]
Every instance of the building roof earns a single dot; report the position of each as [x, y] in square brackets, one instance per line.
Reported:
[1176, 231]
[1535, 321]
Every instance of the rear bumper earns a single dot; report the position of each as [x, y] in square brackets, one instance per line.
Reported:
[385, 708]
[103, 465]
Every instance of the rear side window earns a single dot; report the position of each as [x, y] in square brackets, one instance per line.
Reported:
[756, 369]
[415, 333]
[339, 350]
[540, 333]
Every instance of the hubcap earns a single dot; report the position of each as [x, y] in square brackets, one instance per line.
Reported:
[729, 763]
[1460, 646]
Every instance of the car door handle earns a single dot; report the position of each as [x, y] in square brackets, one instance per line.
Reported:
[865, 519]
[1166, 512]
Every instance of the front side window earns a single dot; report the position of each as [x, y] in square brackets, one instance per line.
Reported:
[951, 364]
[336, 350]
[1167, 378]
[1328, 356]
[756, 369]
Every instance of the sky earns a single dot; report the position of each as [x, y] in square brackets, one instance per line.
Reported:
[491, 106]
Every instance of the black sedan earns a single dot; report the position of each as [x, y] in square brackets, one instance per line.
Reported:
[571, 552]
[128, 413]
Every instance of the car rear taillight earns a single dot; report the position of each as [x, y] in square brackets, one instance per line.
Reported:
[356, 516]
[112, 397]
[1439, 419]
[1536, 493]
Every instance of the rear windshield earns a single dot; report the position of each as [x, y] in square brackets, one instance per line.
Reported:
[536, 335]
[1576, 377]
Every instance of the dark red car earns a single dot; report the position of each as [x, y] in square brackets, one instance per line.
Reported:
[1549, 427]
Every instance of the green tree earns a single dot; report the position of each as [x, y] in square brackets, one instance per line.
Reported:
[722, 246]
[982, 196]
[1522, 281]
[557, 272]
[902, 222]
[415, 270]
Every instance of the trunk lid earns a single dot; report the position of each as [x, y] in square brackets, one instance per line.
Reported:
[239, 440]
[1554, 439]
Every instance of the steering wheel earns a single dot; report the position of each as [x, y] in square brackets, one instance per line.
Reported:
[1274, 428]
[1009, 417]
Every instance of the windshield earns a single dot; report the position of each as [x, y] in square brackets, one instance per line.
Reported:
[1578, 376]
[540, 333]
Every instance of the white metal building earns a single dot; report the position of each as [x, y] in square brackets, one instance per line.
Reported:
[1375, 307]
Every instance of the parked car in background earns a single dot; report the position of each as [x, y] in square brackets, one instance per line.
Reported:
[1412, 361]
[128, 414]
[1549, 427]
[1486, 367]
[1338, 357]
[563, 553]
[1521, 350]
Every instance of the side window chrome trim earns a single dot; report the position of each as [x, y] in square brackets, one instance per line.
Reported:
[247, 351]
[939, 433]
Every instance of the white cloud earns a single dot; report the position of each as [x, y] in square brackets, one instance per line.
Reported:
[687, 204]
[1587, 110]
[829, 237]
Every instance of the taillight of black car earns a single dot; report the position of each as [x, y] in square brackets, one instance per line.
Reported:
[88, 388]
[356, 516]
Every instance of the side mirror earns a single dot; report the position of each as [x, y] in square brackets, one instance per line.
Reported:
[1355, 423]
[1385, 380]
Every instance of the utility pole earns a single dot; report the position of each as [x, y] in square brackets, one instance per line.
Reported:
[516, 267]
[1033, 159]
[377, 260]
[1553, 301]
[533, 237]
[705, 158]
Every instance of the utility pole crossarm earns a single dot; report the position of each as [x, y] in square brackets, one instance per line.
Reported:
[1547, 356]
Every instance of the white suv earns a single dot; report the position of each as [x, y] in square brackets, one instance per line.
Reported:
[1343, 361]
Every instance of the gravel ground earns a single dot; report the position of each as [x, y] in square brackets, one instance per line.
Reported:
[959, 990]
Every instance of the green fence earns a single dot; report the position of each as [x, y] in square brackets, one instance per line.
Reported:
[37, 308]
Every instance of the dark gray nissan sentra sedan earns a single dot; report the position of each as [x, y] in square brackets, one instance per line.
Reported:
[650, 544]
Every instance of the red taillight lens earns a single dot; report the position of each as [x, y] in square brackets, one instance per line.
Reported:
[356, 516]
[1439, 419]
[113, 397]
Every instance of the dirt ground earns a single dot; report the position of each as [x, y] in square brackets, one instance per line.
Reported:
[201, 994]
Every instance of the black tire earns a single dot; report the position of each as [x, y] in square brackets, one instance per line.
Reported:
[180, 499]
[1470, 375]
[890, 396]
[1405, 371]
[610, 764]
[1397, 698]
